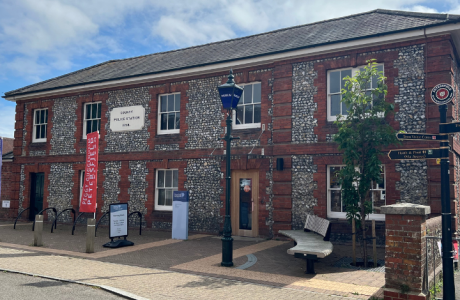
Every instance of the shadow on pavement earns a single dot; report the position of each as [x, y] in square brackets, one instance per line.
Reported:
[45, 284]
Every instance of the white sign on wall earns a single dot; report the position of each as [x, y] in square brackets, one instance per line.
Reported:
[128, 118]
[118, 220]
[6, 204]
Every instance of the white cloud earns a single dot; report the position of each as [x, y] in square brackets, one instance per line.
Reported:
[424, 9]
[38, 37]
[51, 34]
[181, 22]
[178, 32]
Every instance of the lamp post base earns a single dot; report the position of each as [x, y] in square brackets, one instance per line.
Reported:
[227, 252]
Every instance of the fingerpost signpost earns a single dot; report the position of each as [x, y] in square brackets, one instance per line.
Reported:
[442, 95]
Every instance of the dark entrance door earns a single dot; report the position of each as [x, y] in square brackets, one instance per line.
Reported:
[37, 185]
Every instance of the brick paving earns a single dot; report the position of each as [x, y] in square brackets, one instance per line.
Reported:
[160, 267]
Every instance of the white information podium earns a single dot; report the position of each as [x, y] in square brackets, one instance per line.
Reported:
[180, 215]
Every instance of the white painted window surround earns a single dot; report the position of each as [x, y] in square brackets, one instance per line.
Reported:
[91, 118]
[167, 181]
[248, 111]
[169, 113]
[335, 84]
[40, 125]
[335, 207]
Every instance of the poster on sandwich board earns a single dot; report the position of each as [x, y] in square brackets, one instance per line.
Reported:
[118, 219]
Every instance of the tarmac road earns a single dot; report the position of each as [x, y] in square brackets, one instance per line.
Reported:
[16, 286]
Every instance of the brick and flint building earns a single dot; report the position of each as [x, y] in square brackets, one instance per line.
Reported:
[291, 79]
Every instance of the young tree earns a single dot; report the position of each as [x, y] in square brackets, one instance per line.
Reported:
[362, 134]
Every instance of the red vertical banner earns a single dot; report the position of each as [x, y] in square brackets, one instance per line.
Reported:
[89, 195]
[455, 248]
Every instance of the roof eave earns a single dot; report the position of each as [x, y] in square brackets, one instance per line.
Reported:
[13, 97]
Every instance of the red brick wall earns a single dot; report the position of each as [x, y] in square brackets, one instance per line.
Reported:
[439, 52]
[7, 190]
[404, 255]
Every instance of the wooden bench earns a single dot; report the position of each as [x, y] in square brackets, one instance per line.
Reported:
[312, 242]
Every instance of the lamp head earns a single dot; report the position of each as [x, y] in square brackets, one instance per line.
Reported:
[230, 93]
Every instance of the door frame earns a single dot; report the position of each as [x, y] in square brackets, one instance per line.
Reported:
[235, 202]
[33, 192]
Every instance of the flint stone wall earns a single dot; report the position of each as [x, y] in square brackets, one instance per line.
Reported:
[37, 153]
[303, 106]
[203, 184]
[204, 114]
[24, 131]
[302, 189]
[269, 205]
[411, 117]
[411, 83]
[162, 225]
[110, 184]
[128, 141]
[22, 178]
[166, 147]
[60, 189]
[137, 190]
[414, 181]
[63, 129]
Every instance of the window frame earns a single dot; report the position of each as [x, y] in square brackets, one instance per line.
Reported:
[34, 125]
[251, 125]
[331, 118]
[165, 207]
[342, 215]
[167, 131]
[84, 117]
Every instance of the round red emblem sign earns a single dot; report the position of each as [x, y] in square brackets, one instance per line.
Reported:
[442, 94]
[247, 188]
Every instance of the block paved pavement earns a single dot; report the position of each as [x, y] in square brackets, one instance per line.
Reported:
[144, 282]
[159, 267]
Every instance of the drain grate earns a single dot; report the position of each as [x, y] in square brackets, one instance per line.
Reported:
[345, 262]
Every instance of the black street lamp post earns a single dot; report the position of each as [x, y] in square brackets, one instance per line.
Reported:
[230, 95]
[447, 253]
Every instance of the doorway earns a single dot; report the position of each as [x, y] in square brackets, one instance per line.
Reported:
[245, 199]
[37, 186]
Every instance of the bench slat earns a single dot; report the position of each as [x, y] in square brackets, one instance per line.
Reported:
[317, 224]
[308, 243]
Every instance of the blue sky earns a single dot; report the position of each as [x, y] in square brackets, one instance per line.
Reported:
[42, 39]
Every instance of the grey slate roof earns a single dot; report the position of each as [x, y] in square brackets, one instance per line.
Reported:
[8, 155]
[364, 25]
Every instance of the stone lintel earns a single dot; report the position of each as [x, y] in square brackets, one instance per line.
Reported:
[406, 209]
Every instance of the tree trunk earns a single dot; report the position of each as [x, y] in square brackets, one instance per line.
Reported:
[363, 228]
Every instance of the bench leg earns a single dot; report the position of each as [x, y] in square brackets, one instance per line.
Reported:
[310, 264]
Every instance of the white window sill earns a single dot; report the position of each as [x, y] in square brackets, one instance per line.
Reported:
[163, 208]
[340, 215]
[334, 118]
[39, 141]
[176, 131]
[246, 126]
